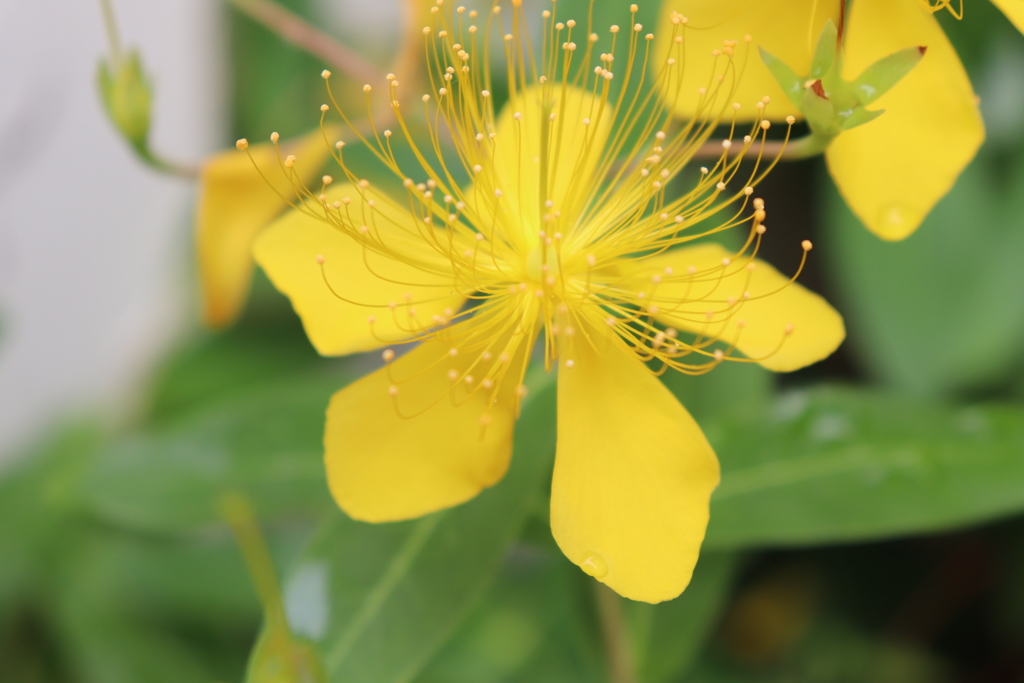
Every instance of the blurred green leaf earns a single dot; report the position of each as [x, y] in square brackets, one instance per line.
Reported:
[838, 464]
[397, 591]
[939, 312]
[670, 636]
[531, 598]
[267, 445]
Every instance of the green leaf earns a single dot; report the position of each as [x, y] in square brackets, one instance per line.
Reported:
[880, 77]
[825, 52]
[268, 446]
[788, 79]
[530, 603]
[670, 636]
[938, 313]
[397, 591]
[839, 464]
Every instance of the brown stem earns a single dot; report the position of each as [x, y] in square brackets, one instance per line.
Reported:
[298, 32]
[616, 644]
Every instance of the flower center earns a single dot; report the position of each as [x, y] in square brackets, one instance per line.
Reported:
[542, 266]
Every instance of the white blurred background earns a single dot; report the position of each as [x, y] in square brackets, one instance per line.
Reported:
[93, 246]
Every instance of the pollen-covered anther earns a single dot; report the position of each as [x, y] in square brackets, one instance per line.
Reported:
[487, 383]
[367, 88]
[327, 180]
[766, 124]
[388, 355]
[720, 185]
[393, 390]
[453, 352]
[726, 143]
[289, 161]
[275, 136]
[324, 107]
[719, 354]
[791, 120]
[522, 391]
[748, 190]
[242, 144]
[325, 74]
[806, 245]
[789, 329]
[485, 419]
[570, 363]
[453, 375]
[320, 259]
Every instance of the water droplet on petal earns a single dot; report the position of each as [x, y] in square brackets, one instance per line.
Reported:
[896, 221]
[594, 565]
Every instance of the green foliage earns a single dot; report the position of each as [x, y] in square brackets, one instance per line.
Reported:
[938, 314]
[397, 591]
[837, 464]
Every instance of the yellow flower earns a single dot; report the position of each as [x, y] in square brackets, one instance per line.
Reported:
[234, 205]
[565, 230]
[894, 169]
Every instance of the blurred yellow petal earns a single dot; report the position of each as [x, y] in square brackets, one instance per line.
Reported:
[574, 153]
[633, 473]
[756, 324]
[1014, 11]
[392, 457]
[235, 203]
[786, 28]
[893, 170]
[336, 301]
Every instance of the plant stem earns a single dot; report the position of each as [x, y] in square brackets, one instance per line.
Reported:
[613, 631]
[294, 29]
[110, 24]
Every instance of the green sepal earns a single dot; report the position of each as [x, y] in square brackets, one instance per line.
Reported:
[127, 97]
[859, 117]
[825, 52]
[880, 77]
[820, 113]
[791, 84]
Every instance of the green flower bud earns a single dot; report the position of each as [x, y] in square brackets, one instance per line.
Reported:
[127, 98]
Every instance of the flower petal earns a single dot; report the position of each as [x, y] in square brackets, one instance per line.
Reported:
[235, 203]
[788, 29]
[893, 170]
[574, 155]
[369, 282]
[1014, 11]
[774, 304]
[633, 473]
[384, 466]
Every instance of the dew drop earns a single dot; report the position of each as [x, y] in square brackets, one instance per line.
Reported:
[896, 221]
[594, 565]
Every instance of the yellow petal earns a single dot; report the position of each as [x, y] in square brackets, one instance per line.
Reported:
[398, 457]
[893, 170]
[235, 203]
[336, 301]
[574, 154]
[1014, 11]
[774, 304]
[633, 473]
[788, 29]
